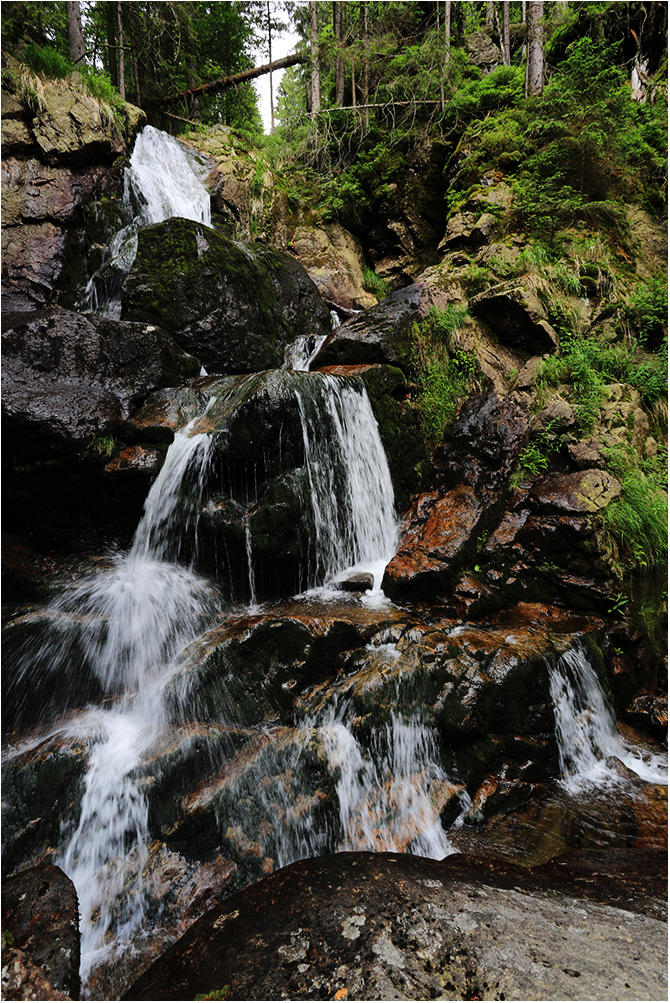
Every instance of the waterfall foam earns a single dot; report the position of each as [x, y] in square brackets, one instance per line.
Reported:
[163, 180]
[586, 729]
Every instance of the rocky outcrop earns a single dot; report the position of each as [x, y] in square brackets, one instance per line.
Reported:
[382, 334]
[362, 926]
[443, 528]
[40, 912]
[58, 146]
[235, 307]
[334, 261]
[68, 378]
[517, 316]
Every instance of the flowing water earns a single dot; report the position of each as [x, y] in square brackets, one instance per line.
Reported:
[350, 496]
[163, 180]
[589, 743]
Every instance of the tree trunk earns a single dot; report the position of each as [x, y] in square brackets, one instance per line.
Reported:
[505, 33]
[122, 68]
[111, 43]
[272, 100]
[447, 30]
[366, 65]
[489, 13]
[133, 31]
[314, 48]
[339, 29]
[441, 62]
[75, 37]
[535, 54]
[236, 78]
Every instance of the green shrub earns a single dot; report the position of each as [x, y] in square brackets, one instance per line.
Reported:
[647, 310]
[375, 284]
[47, 61]
[639, 517]
[445, 376]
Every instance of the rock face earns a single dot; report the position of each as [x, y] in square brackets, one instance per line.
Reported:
[39, 909]
[69, 377]
[334, 261]
[361, 926]
[70, 142]
[69, 383]
[234, 307]
[517, 316]
[382, 333]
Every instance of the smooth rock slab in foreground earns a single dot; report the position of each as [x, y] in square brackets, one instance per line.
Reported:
[387, 926]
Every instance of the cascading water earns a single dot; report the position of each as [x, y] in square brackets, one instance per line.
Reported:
[142, 613]
[350, 490]
[163, 180]
[586, 730]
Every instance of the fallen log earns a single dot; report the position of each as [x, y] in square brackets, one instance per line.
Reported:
[237, 78]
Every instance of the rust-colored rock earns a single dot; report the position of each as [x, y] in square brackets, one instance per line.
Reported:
[439, 538]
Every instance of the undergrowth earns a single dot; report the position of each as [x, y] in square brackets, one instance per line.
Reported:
[445, 375]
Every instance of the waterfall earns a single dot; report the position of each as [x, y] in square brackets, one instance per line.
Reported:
[350, 497]
[163, 180]
[586, 730]
[142, 614]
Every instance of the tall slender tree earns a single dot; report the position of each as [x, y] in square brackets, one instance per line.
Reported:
[505, 33]
[535, 74]
[74, 32]
[122, 59]
[314, 49]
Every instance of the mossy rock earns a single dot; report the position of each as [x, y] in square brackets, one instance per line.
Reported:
[234, 306]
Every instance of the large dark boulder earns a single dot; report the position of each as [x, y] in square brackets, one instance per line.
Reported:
[69, 383]
[393, 926]
[235, 306]
[517, 316]
[69, 377]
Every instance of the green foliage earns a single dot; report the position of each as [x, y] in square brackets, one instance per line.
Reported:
[103, 445]
[216, 994]
[647, 310]
[639, 517]
[445, 376]
[534, 459]
[46, 60]
[375, 284]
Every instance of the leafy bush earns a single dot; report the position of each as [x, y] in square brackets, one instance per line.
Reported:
[639, 518]
[647, 310]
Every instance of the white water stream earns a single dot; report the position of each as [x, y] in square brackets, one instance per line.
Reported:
[163, 180]
[589, 742]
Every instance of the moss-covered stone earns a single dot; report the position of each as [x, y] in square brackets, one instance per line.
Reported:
[234, 306]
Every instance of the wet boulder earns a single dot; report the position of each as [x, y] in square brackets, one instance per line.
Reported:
[586, 491]
[40, 911]
[234, 306]
[384, 926]
[69, 377]
[383, 333]
[438, 539]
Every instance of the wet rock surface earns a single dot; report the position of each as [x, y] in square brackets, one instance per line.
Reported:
[39, 910]
[381, 334]
[235, 307]
[362, 926]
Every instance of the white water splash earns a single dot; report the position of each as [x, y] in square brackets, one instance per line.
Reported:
[142, 614]
[299, 354]
[350, 490]
[586, 729]
[162, 181]
[387, 792]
